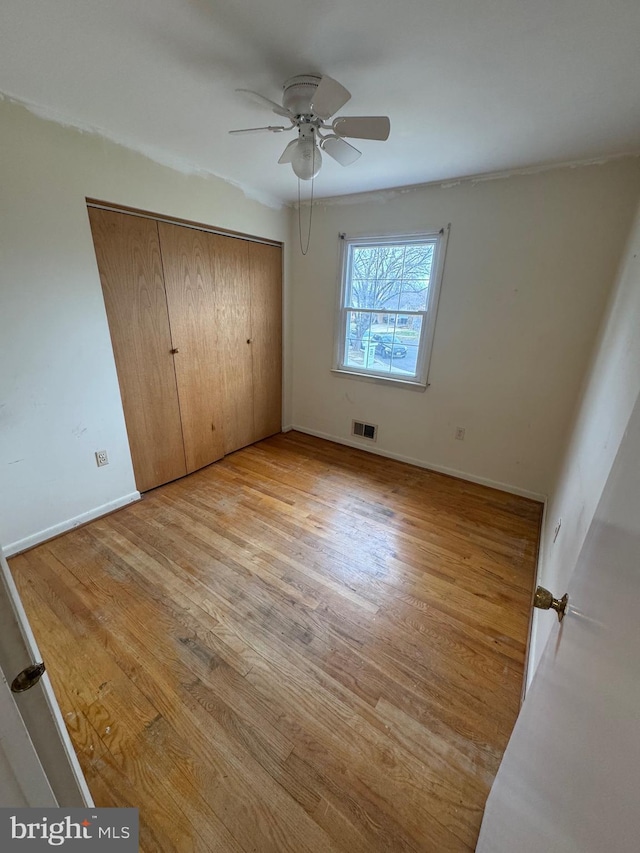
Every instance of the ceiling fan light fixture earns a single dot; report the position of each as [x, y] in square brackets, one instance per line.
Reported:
[307, 159]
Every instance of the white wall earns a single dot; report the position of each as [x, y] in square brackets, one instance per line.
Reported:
[530, 263]
[59, 396]
[610, 393]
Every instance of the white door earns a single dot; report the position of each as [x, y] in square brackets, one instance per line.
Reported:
[38, 766]
[569, 781]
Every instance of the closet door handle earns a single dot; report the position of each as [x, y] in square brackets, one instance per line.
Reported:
[248, 340]
[174, 350]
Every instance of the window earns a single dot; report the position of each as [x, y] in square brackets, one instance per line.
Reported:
[388, 304]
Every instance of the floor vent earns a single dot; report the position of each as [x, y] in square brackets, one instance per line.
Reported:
[364, 430]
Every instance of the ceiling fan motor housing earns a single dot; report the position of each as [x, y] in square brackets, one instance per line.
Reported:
[298, 93]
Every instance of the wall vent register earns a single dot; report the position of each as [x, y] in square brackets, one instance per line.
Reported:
[363, 430]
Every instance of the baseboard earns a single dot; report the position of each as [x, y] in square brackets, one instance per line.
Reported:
[440, 469]
[288, 428]
[43, 535]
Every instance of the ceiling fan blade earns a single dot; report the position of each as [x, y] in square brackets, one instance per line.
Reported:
[341, 151]
[259, 99]
[362, 127]
[328, 98]
[287, 154]
[260, 129]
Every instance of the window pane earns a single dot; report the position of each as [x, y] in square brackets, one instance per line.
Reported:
[407, 365]
[407, 334]
[417, 261]
[358, 323]
[357, 326]
[408, 329]
[376, 277]
[414, 295]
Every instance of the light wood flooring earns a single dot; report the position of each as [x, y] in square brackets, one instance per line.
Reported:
[301, 648]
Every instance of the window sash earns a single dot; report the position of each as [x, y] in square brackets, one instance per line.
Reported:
[348, 273]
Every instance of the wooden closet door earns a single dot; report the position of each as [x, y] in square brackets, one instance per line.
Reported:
[193, 317]
[265, 268]
[128, 254]
[230, 258]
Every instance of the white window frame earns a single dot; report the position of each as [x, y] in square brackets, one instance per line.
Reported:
[425, 347]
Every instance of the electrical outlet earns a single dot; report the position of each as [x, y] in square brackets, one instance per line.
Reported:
[459, 433]
[101, 458]
[556, 529]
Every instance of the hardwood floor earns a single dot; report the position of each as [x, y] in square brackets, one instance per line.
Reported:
[299, 648]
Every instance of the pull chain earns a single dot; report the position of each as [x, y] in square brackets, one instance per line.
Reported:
[306, 249]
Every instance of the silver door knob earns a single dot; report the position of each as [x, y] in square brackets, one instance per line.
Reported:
[544, 600]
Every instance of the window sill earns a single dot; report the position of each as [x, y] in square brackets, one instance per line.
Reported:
[381, 380]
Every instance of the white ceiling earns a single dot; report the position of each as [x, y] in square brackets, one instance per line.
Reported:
[471, 86]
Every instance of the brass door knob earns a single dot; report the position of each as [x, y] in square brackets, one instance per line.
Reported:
[544, 600]
[26, 679]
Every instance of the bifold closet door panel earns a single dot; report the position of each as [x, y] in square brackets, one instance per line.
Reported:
[265, 268]
[128, 255]
[194, 321]
[233, 288]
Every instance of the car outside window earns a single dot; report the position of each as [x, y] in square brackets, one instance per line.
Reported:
[388, 302]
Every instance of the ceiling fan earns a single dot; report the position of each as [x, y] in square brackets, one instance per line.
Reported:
[308, 101]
